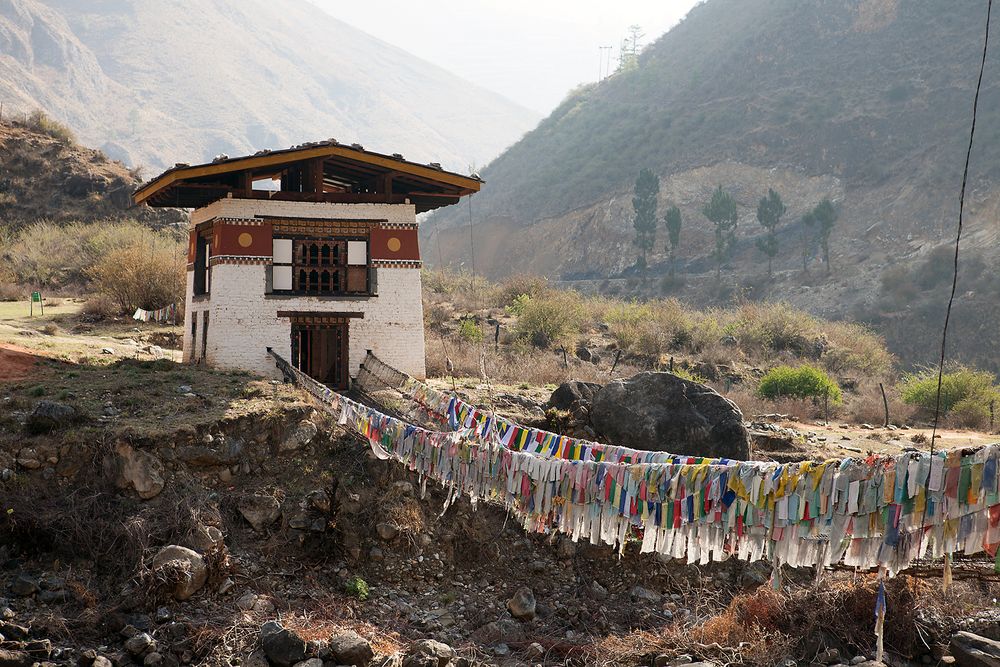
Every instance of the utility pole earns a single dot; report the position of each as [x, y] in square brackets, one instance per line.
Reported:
[604, 62]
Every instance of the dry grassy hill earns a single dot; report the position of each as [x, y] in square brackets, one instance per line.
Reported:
[867, 102]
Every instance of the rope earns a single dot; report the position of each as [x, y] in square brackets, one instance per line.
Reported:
[958, 241]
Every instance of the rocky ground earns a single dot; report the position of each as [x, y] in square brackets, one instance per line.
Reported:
[159, 515]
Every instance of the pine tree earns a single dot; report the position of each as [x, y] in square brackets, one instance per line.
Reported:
[647, 187]
[825, 215]
[721, 210]
[769, 212]
[808, 223]
[673, 222]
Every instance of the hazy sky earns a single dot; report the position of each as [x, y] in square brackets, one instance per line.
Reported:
[532, 51]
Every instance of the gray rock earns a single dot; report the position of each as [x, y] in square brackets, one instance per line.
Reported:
[260, 510]
[205, 538]
[300, 436]
[281, 646]
[350, 648]
[139, 470]
[972, 650]
[660, 411]
[522, 606]
[163, 614]
[428, 653]
[49, 416]
[829, 656]
[13, 632]
[256, 659]
[573, 393]
[311, 662]
[138, 644]
[101, 661]
[55, 597]
[858, 659]
[640, 594]
[247, 601]
[23, 586]
[153, 659]
[189, 562]
[387, 531]
[15, 658]
[596, 591]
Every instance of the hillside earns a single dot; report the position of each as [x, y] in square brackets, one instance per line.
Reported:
[155, 83]
[866, 102]
[46, 175]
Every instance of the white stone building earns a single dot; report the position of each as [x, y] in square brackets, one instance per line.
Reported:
[310, 251]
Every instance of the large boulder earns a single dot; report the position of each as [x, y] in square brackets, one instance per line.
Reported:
[662, 412]
[189, 563]
[570, 394]
[49, 416]
[972, 650]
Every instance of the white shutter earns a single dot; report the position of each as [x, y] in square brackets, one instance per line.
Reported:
[282, 250]
[281, 277]
[357, 253]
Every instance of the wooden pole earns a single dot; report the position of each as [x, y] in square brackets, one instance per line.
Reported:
[885, 405]
[618, 355]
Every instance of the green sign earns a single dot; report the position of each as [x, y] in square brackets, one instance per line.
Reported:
[36, 297]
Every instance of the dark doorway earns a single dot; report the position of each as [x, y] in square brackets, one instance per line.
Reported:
[320, 351]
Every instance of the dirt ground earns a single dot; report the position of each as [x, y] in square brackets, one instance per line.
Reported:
[17, 363]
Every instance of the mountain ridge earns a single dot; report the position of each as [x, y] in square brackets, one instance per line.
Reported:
[266, 77]
[866, 102]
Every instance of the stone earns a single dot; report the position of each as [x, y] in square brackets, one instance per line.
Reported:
[640, 594]
[246, 601]
[140, 470]
[29, 459]
[15, 658]
[260, 510]
[311, 662]
[428, 653]
[570, 394]
[282, 647]
[829, 656]
[13, 632]
[522, 606]
[858, 659]
[596, 591]
[49, 415]
[101, 661]
[350, 648]
[301, 435]
[54, 597]
[190, 563]
[108, 350]
[256, 659]
[972, 650]
[139, 644]
[659, 411]
[23, 586]
[387, 531]
[153, 659]
[163, 614]
[206, 538]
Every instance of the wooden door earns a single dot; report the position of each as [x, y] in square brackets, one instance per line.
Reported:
[321, 352]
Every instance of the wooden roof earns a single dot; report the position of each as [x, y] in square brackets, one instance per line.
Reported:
[324, 171]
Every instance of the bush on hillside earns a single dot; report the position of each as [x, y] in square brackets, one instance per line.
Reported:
[966, 393]
[552, 318]
[40, 121]
[801, 383]
[136, 276]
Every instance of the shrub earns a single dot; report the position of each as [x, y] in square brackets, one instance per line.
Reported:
[98, 307]
[469, 331]
[965, 391]
[357, 587]
[137, 276]
[518, 304]
[42, 122]
[554, 317]
[802, 382]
